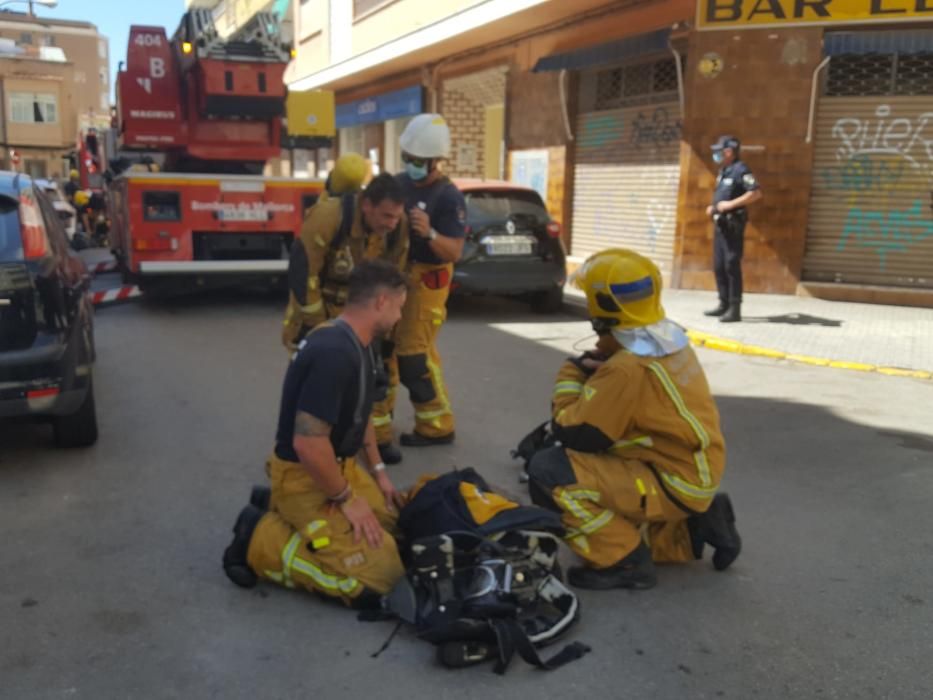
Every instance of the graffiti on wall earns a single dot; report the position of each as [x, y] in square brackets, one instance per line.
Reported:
[657, 128]
[885, 170]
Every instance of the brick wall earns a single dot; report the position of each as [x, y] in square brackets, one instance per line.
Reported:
[762, 96]
[467, 119]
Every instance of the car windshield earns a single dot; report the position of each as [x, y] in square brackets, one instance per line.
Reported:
[11, 242]
[486, 207]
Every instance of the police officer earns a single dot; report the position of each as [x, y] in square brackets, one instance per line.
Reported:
[330, 521]
[640, 455]
[437, 214]
[736, 188]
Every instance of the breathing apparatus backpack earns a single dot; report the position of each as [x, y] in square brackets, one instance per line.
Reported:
[482, 581]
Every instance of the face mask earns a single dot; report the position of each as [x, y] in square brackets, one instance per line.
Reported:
[717, 157]
[415, 172]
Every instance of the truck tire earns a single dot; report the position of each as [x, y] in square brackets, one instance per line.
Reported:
[548, 302]
[80, 428]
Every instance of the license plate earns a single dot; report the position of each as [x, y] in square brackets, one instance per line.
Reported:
[509, 246]
[243, 215]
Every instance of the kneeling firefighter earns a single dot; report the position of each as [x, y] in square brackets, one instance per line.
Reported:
[640, 455]
[328, 524]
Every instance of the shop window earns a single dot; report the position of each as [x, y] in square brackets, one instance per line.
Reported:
[634, 84]
[35, 168]
[30, 108]
[857, 75]
[25, 38]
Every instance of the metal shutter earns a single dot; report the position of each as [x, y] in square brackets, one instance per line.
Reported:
[871, 211]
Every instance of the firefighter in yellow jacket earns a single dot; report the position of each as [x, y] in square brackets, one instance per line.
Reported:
[641, 455]
[437, 213]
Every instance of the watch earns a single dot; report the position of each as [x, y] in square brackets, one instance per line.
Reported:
[432, 234]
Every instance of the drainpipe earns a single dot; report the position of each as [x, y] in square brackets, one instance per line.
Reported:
[813, 88]
[678, 65]
[562, 90]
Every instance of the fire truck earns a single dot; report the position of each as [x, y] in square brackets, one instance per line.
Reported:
[197, 118]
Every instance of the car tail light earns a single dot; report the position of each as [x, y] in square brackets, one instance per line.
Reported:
[553, 229]
[43, 393]
[32, 230]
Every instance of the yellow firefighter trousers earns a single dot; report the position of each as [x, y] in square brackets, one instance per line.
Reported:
[417, 363]
[305, 542]
[616, 503]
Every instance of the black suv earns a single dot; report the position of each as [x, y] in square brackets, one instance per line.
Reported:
[512, 247]
[46, 317]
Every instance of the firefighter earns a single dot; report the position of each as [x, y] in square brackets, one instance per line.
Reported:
[339, 232]
[72, 186]
[330, 521]
[437, 214]
[640, 455]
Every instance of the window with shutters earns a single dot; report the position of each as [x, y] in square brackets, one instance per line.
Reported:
[31, 108]
[865, 75]
[647, 82]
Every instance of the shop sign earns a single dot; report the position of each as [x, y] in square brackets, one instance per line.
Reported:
[749, 14]
[382, 108]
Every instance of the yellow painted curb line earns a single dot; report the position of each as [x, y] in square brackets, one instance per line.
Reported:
[707, 340]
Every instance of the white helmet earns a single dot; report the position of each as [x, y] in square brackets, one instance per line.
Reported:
[426, 136]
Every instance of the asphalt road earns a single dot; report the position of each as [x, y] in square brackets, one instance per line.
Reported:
[110, 578]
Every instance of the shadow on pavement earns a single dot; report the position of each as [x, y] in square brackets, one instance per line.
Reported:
[794, 320]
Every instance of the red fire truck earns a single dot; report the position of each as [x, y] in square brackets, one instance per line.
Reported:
[197, 118]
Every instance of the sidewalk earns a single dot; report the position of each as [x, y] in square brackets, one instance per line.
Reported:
[868, 337]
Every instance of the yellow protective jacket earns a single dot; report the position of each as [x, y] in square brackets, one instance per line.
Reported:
[319, 270]
[658, 410]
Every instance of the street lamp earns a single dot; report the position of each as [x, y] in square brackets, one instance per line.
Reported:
[43, 3]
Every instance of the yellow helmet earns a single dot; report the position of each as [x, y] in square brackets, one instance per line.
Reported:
[623, 289]
[74, 174]
[349, 173]
[82, 198]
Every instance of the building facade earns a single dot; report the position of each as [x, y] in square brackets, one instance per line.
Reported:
[609, 110]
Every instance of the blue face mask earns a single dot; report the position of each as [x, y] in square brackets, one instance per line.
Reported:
[717, 157]
[416, 172]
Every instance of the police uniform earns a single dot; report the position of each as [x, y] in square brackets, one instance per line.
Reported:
[733, 181]
[303, 541]
[321, 261]
[417, 363]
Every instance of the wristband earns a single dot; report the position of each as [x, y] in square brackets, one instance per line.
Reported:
[432, 234]
[380, 467]
[343, 496]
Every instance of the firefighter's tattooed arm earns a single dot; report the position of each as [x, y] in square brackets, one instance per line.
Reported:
[307, 425]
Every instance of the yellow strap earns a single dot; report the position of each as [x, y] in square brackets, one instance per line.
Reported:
[379, 421]
[597, 523]
[641, 487]
[643, 441]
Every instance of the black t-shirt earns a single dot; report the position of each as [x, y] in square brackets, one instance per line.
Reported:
[324, 380]
[446, 208]
[734, 180]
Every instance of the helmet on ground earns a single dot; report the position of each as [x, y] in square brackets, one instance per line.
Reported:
[74, 174]
[82, 198]
[426, 136]
[623, 289]
[349, 173]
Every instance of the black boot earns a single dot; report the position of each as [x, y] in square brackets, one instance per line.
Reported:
[389, 453]
[636, 570]
[235, 565]
[260, 497]
[719, 310]
[416, 439]
[733, 313]
[716, 527]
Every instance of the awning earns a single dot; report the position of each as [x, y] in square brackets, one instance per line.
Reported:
[899, 41]
[606, 54]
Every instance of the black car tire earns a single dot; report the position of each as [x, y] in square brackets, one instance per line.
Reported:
[549, 302]
[80, 428]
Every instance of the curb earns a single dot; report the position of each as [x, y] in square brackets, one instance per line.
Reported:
[712, 342]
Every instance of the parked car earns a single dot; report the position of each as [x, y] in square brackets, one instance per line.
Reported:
[46, 317]
[512, 247]
[62, 206]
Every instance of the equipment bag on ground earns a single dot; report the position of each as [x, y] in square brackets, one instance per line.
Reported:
[482, 579]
